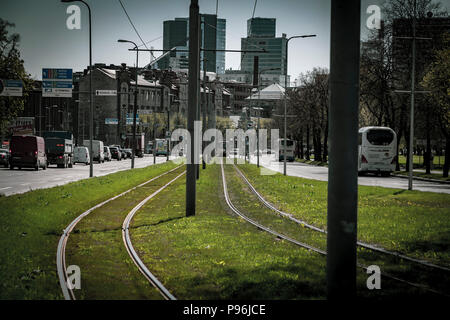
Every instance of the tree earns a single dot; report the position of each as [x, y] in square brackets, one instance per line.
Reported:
[11, 67]
[384, 69]
[437, 80]
[310, 103]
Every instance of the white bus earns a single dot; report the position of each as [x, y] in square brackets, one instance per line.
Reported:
[290, 149]
[377, 150]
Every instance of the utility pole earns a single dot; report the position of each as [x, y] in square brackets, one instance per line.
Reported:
[204, 105]
[285, 97]
[412, 92]
[194, 61]
[168, 124]
[343, 133]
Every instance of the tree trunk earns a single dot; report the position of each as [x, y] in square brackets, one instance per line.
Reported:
[317, 145]
[301, 144]
[325, 144]
[447, 156]
[427, 155]
[307, 143]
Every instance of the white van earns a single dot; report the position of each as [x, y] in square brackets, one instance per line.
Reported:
[81, 154]
[97, 152]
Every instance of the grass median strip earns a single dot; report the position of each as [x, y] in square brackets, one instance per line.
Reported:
[413, 222]
[214, 255]
[97, 247]
[31, 224]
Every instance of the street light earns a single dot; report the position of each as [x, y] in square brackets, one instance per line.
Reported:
[285, 95]
[91, 97]
[259, 111]
[135, 102]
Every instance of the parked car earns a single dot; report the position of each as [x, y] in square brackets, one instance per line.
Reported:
[27, 151]
[81, 155]
[4, 157]
[97, 153]
[107, 153]
[115, 153]
[128, 152]
[122, 152]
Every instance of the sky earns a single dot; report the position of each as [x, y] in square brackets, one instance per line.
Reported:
[46, 42]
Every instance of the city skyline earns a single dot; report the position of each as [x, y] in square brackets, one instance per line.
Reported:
[47, 43]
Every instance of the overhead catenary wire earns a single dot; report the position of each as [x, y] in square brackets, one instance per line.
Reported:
[132, 24]
[253, 15]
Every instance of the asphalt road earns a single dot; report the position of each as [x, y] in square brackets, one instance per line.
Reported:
[20, 181]
[321, 173]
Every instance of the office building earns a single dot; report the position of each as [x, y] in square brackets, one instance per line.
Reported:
[176, 35]
[261, 36]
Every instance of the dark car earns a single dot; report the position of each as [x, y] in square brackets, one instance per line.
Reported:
[28, 151]
[128, 152]
[4, 157]
[115, 153]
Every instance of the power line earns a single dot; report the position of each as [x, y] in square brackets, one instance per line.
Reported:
[253, 15]
[132, 24]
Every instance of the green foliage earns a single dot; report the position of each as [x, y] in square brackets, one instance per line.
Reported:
[11, 67]
[437, 80]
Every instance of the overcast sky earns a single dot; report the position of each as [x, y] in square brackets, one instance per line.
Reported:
[47, 43]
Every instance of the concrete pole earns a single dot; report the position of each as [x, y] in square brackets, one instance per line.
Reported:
[168, 125]
[133, 144]
[194, 61]
[343, 164]
[204, 106]
[91, 99]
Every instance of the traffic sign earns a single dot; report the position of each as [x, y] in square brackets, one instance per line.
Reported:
[11, 88]
[106, 92]
[57, 82]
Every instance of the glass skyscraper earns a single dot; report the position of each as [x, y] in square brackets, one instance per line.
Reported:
[261, 35]
[213, 36]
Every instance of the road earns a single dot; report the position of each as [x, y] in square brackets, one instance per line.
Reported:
[20, 181]
[321, 173]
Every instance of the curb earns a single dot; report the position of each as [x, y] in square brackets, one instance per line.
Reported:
[420, 178]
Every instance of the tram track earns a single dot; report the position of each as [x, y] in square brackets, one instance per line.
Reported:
[312, 227]
[66, 287]
[307, 246]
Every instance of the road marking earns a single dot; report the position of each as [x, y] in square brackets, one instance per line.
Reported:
[5, 188]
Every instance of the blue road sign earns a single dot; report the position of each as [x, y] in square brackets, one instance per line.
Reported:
[57, 82]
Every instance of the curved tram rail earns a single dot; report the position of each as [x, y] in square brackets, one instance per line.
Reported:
[61, 251]
[133, 254]
[304, 245]
[359, 243]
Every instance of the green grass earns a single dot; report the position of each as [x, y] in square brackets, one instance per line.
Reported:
[97, 247]
[413, 222]
[312, 162]
[212, 255]
[216, 255]
[438, 161]
[32, 223]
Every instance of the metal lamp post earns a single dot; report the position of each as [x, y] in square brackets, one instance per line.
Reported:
[259, 111]
[135, 102]
[91, 97]
[285, 95]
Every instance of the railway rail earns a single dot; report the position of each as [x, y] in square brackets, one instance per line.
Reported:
[305, 245]
[66, 288]
[309, 226]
